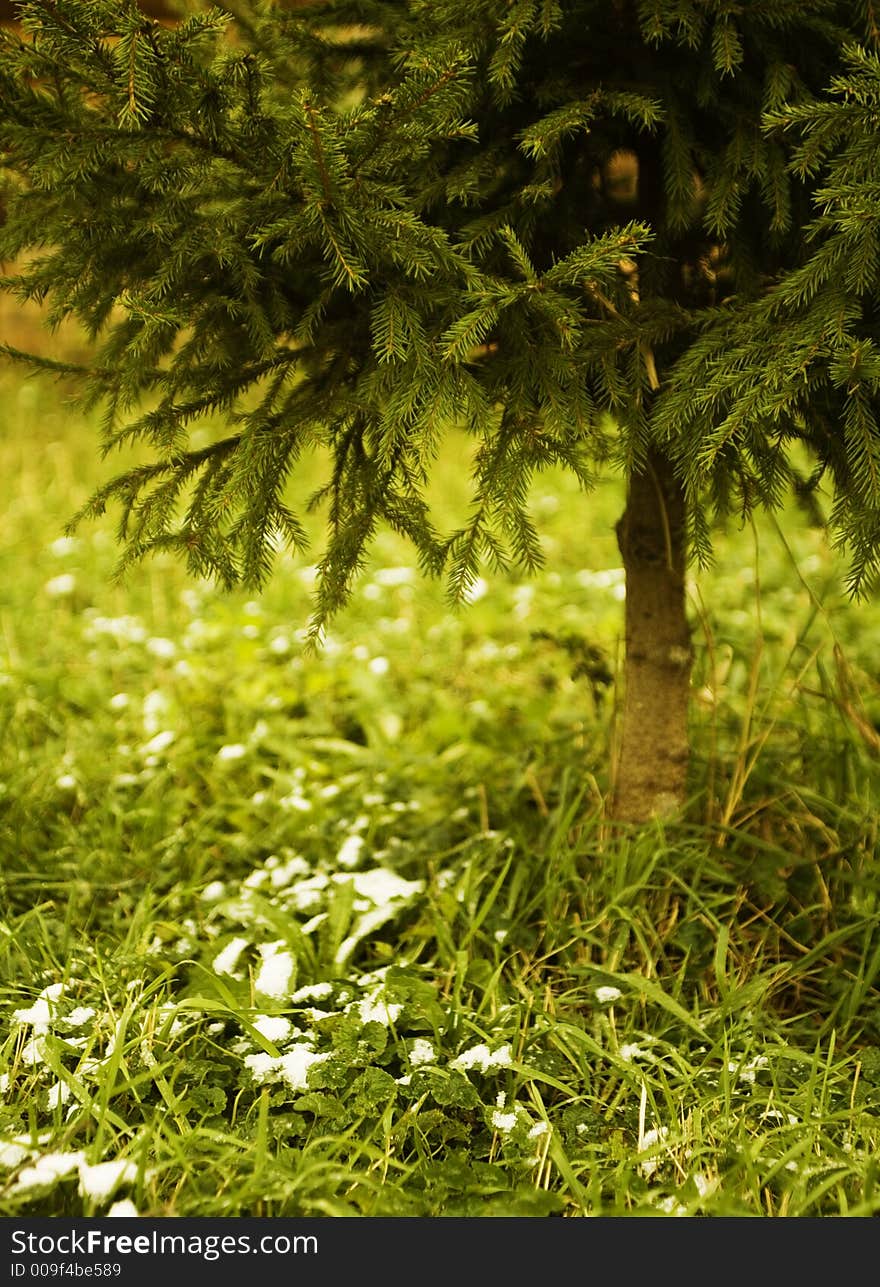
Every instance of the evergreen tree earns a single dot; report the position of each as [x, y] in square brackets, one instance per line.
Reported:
[635, 234]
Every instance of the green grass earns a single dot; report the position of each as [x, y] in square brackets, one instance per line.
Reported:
[445, 984]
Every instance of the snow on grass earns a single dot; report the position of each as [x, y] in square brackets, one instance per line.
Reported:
[421, 1052]
[292, 1067]
[39, 1016]
[276, 970]
[125, 1209]
[374, 1008]
[101, 1180]
[45, 1171]
[313, 992]
[631, 1050]
[57, 1095]
[163, 649]
[226, 961]
[14, 1152]
[80, 1015]
[504, 1122]
[60, 587]
[273, 1027]
[350, 851]
[158, 743]
[608, 995]
[480, 1057]
[650, 1141]
[381, 886]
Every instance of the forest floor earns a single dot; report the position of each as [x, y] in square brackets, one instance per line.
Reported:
[348, 933]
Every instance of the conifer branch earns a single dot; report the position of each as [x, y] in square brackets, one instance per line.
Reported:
[326, 248]
[319, 153]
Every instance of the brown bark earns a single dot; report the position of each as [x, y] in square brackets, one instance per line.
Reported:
[652, 764]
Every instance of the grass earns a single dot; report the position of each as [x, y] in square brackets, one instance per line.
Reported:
[349, 934]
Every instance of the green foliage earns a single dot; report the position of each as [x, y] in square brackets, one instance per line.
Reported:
[288, 936]
[350, 227]
[800, 362]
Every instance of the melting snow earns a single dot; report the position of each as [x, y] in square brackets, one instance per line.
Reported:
[226, 961]
[606, 995]
[313, 992]
[482, 1058]
[126, 1208]
[382, 886]
[291, 1067]
[350, 851]
[79, 1016]
[104, 1178]
[275, 973]
[504, 1122]
[375, 1009]
[47, 1169]
[274, 1028]
[13, 1153]
[421, 1052]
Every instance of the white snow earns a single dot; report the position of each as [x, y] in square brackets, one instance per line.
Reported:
[421, 1052]
[504, 1122]
[154, 708]
[313, 992]
[47, 1169]
[363, 926]
[292, 1067]
[295, 800]
[375, 1009]
[165, 649]
[394, 576]
[274, 1027]
[13, 1153]
[275, 973]
[159, 743]
[39, 1015]
[481, 1058]
[631, 1051]
[350, 851]
[382, 886]
[125, 1208]
[651, 1138]
[60, 586]
[56, 1095]
[226, 961]
[79, 1016]
[282, 873]
[606, 995]
[104, 1178]
[41, 1012]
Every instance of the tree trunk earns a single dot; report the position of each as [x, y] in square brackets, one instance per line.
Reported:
[651, 771]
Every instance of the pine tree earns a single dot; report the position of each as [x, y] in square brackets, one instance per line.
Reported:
[636, 235]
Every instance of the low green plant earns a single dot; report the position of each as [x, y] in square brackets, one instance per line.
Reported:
[349, 933]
